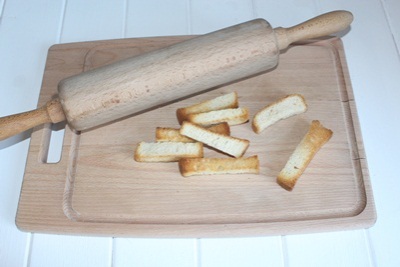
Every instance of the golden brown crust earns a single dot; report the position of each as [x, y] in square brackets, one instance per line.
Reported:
[166, 134]
[286, 184]
[167, 151]
[181, 114]
[305, 151]
[209, 166]
[221, 128]
[205, 106]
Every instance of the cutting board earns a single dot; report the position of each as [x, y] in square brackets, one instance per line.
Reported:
[98, 189]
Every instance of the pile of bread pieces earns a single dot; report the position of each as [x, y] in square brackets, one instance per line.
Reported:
[208, 124]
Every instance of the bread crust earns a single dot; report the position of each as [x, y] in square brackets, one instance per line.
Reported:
[230, 145]
[233, 116]
[305, 151]
[225, 101]
[165, 134]
[167, 151]
[276, 111]
[210, 166]
[221, 128]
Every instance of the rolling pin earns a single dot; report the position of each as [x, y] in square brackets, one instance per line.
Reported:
[162, 76]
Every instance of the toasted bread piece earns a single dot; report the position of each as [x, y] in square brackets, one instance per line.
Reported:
[305, 151]
[221, 128]
[207, 166]
[167, 151]
[164, 134]
[221, 102]
[228, 144]
[284, 108]
[232, 116]
[173, 135]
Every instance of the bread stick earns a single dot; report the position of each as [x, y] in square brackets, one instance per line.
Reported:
[172, 135]
[233, 116]
[225, 101]
[208, 166]
[283, 108]
[305, 151]
[167, 151]
[233, 146]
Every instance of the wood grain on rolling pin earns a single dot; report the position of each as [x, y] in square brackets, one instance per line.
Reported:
[156, 78]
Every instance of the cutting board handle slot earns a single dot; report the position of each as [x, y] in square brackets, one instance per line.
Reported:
[52, 143]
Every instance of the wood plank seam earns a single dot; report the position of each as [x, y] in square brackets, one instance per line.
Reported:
[111, 262]
[197, 252]
[285, 251]
[2, 10]
[370, 249]
[28, 249]
[189, 17]
[125, 20]
[390, 26]
[61, 22]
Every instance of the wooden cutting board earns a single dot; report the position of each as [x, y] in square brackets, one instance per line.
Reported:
[98, 189]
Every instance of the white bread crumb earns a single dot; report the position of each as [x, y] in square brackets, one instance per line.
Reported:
[284, 108]
[233, 146]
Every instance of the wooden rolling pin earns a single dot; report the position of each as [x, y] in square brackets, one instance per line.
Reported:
[159, 77]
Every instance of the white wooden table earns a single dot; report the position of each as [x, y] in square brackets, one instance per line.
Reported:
[28, 28]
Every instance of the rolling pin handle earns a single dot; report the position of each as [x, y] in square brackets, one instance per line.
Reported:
[323, 25]
[15, 124]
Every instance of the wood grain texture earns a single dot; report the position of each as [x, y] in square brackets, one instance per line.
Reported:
[106, 193]
[322, 25]
[147, 81]
[14, 124]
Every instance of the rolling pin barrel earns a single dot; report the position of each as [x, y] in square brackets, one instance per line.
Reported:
[153, 79]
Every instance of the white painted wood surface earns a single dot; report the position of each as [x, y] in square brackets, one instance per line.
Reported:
[28, 28]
